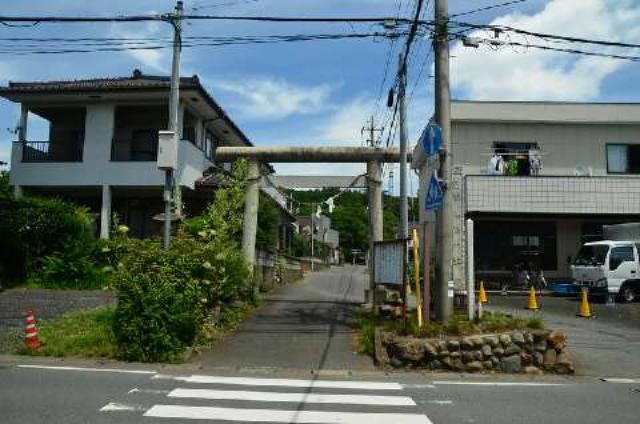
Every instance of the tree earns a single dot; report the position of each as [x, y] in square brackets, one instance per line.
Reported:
[268, 220]
[350, 216]
[5, 188]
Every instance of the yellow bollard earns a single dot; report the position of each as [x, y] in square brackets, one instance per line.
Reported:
[585, 308]
[416, 274]
[482, 295]
[532, 303]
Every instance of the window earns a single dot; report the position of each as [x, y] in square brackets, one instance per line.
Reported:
[619, 255]
[623, 158]
[593, 255]
[135, 135]
[517, 157]
[210, 144]
[189, 123]
[144, 145]
[502, 245]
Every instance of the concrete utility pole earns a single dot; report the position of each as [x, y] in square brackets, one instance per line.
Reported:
[313, 212]
[174, 100]
[404, 206]
[444, 215]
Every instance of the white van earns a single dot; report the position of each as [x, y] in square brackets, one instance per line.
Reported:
[609, 268]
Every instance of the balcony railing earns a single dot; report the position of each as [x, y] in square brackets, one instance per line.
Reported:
[601, 195]
[51, 151]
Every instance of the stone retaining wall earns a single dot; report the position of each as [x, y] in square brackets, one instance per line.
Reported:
[530, 351]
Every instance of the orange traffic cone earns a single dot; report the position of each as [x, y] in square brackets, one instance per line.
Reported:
[585, 308]
[532, 302]
[31, 331]
[482, 295]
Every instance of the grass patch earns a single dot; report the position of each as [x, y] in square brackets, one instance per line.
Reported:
[85, 333]
[458, 325]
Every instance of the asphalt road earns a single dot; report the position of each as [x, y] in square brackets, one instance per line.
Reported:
[293, 362]
[308, 325]
[182, 394]
[606, 345]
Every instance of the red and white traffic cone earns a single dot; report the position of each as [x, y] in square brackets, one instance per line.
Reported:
[31, 331]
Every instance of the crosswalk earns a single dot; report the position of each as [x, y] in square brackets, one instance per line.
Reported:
[272, 400]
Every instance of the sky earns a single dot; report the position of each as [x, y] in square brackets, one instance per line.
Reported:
[323, 92]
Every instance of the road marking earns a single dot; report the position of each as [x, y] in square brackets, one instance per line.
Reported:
[496, 383]
[273, 415]
[280, 382]
[46, 367]
[622, 380]
[418, 386]
[440, 402]
[114, 406]
[149, 391]
[291, 397]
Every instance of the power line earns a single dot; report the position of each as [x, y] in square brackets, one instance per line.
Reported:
[502, 28]
[482, 9]
[16, 50]
[499, 43]
[229, 3]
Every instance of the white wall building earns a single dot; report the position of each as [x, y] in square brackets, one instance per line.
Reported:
[102, 141]
[590, 176]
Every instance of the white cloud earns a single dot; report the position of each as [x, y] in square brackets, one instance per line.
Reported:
[274, 99]
[519, 74]
[5, 152]
[157, 60]
[343, 127]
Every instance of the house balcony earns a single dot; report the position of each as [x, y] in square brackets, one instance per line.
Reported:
[568, 195]
[35, 166]
[52, 151]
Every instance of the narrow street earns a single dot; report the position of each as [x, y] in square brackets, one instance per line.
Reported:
[306, 326]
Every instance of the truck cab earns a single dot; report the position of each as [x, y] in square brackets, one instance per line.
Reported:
[609, 268]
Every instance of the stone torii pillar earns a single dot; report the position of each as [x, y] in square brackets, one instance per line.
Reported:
[374, 184]
[251, 204]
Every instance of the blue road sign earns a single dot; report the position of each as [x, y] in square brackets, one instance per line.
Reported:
[434, 193]
[431, 139]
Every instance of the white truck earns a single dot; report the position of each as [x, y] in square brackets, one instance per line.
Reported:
[611, 267]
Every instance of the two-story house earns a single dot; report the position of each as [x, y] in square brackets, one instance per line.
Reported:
[101, 141]
[538, 179]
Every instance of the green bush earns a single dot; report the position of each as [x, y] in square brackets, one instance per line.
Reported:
[164, 297]
[44, 239]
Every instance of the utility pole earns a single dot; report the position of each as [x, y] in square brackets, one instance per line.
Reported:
[174, 99]
[372, 130]
[444, 215]
[313, 206]
[404, 209]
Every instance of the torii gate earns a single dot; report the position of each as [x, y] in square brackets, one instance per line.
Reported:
[372, 156]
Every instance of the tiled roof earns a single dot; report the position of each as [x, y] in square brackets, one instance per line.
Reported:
[137, 81]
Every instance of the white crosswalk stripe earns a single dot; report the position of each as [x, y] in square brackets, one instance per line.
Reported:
[285, 382]
[318, 401]
[291, 397]
[276, 415]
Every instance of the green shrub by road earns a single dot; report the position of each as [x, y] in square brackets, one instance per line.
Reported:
[49, 242]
